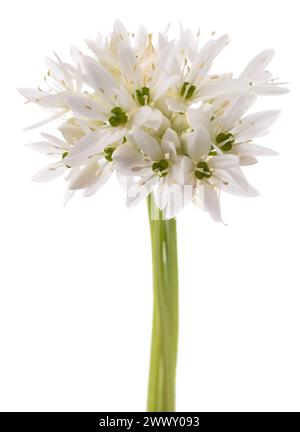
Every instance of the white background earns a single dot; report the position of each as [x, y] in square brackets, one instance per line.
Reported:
[76, 291]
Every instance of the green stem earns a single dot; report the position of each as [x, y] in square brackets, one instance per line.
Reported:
[162, 374]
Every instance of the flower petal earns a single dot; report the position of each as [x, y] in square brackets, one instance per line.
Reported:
[140, 116]
[270, 90]
[255, 125]
[51, 172]
[32, 94]
[86, 176]
[236, 183]
[46, 148]
[218, 86]
[68, 195]
[235, 111]
[103, 177]
[98, 78]
[47, 120]
[224, 161]
[172, 137]
[247, 160]
[163, 86]
[130, 161]
[177, 198]
[141, 39]
[176, 105]
[197, 143]
[258, 64]
[205, 58]
[86, 107]
[212, 202]
[147, 117]
[182, 172]
[138, 191]
[129, 64]
[200, 116]
[148, 144]
[91, 144]
[251, 149]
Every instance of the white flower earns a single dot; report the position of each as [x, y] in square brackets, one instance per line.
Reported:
[61, 82]
[151, 110]
[151, 161]
[233, 132]
[260, 80]
[208, 173]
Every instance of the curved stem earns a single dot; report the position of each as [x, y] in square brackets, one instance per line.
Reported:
[162, 374]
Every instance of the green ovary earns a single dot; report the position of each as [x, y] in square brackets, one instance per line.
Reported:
[227, 139]
[160, 167]
[202, 171]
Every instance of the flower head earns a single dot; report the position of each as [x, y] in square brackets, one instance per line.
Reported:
[151, 110]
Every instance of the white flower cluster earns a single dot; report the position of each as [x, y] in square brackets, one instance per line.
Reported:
[153, 113]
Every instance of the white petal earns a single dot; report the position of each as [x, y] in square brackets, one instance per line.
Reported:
[67, 196]
[147, 117]
[255, 125]
[55, 69]
[258, 64]
[98, 78]
[170, 136]
[270, 90]
[138, 191]
[91, 144]
[141, 39]
[234, 113]
[212, 202]
[67, 77]
[236, 183]
[200, 116]
[57, 141]
[58, 100]
[51, 172]
[197, 143]
[86, 107]
[125, 180]
[123, 99]
[176, 106]
[148, 144]
[76, 54]
[187, 166]
[86, 176]
[205, 58]
[46, 148]
[223, 161]
[121, 32]
[219, 86]
[161, 193]
[155, 120]
[93, 46]
[178, 198]
[140, 116]
[47, 120]
[164, 86]
[71, 131]
[32, 94]
[68, 192]
[129, 64]
[247, 160]
[169, 151]
[182, 172]
[250, 149]
[129, 161]
[103, 176]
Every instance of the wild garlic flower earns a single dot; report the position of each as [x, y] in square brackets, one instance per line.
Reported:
[153, 112]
